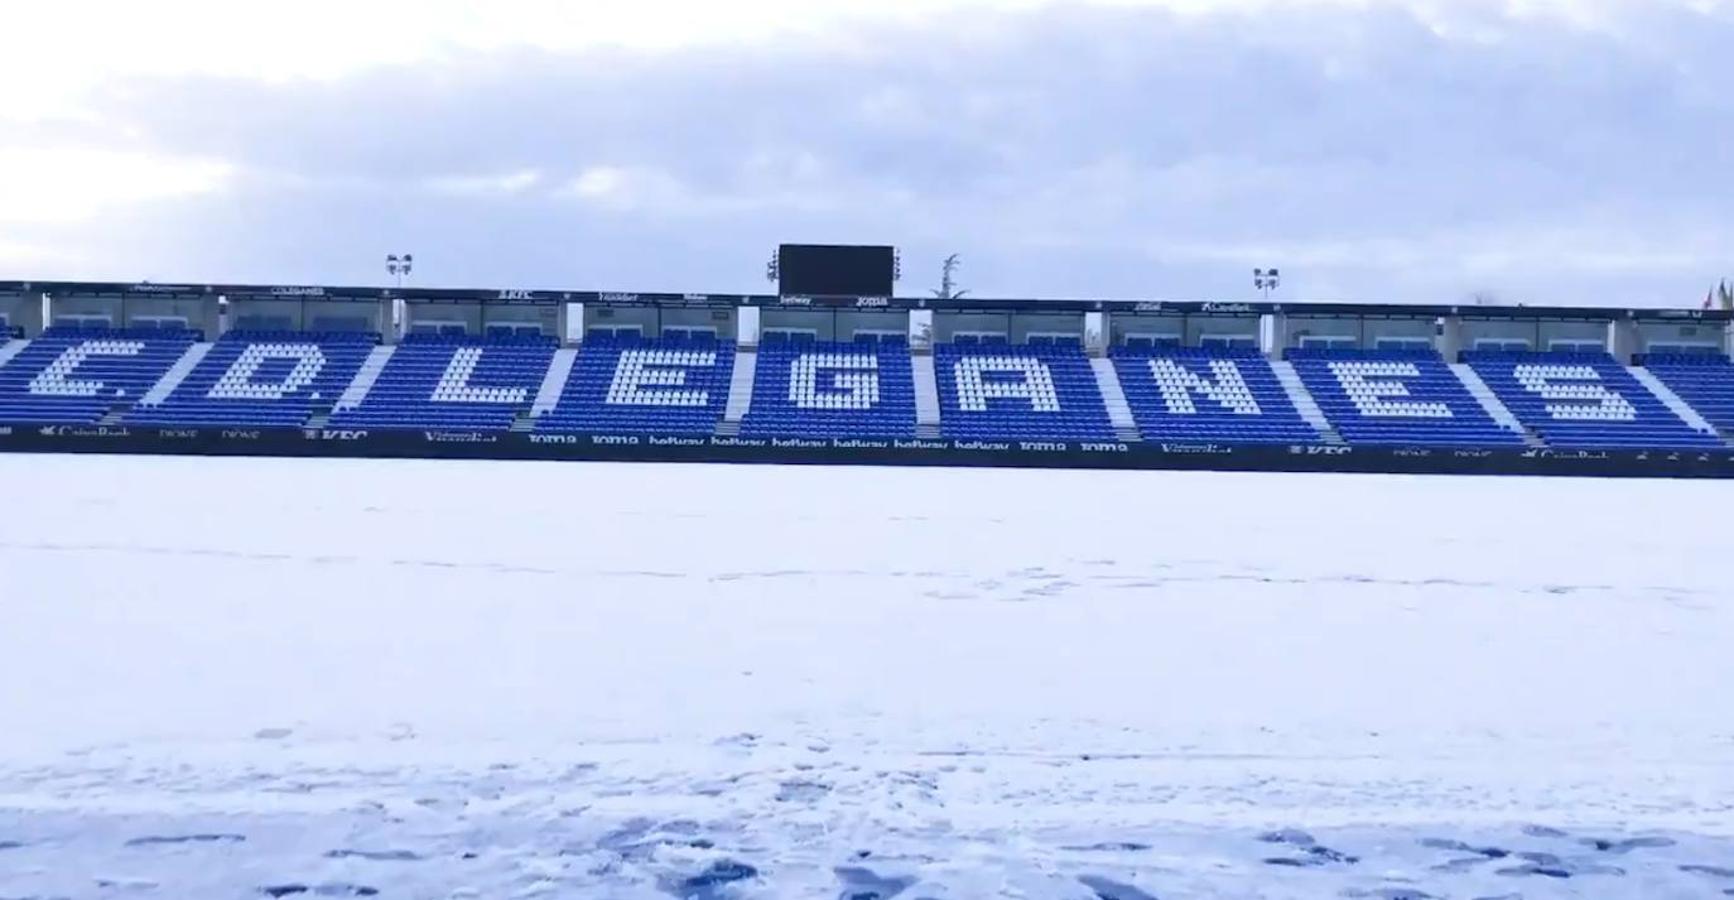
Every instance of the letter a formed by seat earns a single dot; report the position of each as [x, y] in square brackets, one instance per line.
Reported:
[1035, 382]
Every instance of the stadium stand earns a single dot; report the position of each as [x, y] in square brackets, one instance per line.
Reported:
[76, 375]
[1704, 380]
[627, 385]
[833, 390]
[1584, 401]
[262, 379]
[991, 391]
[453, 382]
[1397, 398]
[1216, 395]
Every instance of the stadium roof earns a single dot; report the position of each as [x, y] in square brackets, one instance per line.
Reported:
[524, 297]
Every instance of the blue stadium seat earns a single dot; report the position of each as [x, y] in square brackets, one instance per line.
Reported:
[1215, 395]
[1584, 401]
[1704, 380]
[630, 385]
[453, 382]
[991, 391]
[860, 390]
[262, 379]
[76, 375]
[1397, 398]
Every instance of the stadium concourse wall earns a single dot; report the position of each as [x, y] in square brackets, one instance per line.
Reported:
[349, 443]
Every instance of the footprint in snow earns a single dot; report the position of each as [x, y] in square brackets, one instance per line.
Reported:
[1626, 845]
[375, 855]
[712, 882]
[1113, 890]
[152, 840]
[802, 791]
[864, 884]
[332, 889]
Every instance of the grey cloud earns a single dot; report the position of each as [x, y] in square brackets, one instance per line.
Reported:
[1067, 152]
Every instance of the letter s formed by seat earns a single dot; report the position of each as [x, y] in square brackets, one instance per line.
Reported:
[1577, 393]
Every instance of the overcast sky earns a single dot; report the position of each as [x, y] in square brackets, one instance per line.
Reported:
[1411, 150]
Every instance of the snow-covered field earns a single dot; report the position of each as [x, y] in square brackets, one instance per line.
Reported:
[232, 678]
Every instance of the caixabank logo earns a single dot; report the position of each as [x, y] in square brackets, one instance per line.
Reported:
[85, 431]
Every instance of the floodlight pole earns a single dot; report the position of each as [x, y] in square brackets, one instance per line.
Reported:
[399, 266]
[1266, 280]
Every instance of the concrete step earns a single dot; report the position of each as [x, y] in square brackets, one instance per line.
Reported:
[356, 393]
[1491, 404]
[926, 392]
[176, 374]
[1673, 401]
[1114, 399]
[554, 382]
[1303, 401]
[11, 349]
[741, 387]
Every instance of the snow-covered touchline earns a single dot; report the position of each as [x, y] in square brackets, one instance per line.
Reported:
[220, 677]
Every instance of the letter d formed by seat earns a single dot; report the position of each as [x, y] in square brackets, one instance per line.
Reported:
[238, 383]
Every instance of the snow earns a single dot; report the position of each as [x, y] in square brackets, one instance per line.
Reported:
[224, 677]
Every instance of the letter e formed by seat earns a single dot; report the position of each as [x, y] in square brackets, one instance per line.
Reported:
[1372, 385]
[1035, 382]
[853, 381]
[645, 377]
[57, 380]
[238, 383]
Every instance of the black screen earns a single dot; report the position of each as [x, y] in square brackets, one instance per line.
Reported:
[822, 270]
